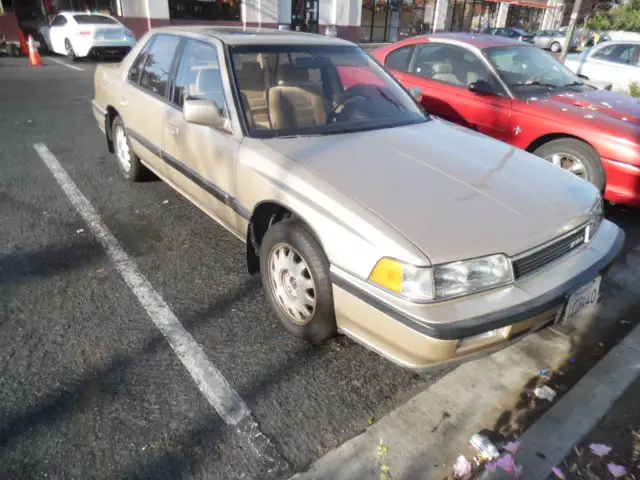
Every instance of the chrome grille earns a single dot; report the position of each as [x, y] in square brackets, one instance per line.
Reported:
[526, 264]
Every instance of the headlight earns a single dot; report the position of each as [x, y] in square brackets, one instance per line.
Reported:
[597, 215]
[441, 282]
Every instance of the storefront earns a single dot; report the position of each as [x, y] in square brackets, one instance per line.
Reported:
[392, 20]
[527, 17]
[470, 15]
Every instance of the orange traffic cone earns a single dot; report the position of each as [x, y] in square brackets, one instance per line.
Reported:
[34, 56]
[24, 50]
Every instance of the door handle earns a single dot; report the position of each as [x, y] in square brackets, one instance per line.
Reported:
[172, 130]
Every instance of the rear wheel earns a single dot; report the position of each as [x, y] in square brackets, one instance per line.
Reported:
[130, 166]
[295, 277]
[555, 47]
[71, 54]
[576, 157]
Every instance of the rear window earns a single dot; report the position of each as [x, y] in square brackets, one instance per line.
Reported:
[94, 19]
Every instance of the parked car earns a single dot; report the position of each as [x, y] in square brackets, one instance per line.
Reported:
[509, 32]
[522, 95]
[422, 240]
[553, 40]
[81, 34]
[614, 61]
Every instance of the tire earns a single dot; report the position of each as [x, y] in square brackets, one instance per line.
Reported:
[584, 153]
[13, 50]
[290, 234]
[135, 171]
[44, 49]
[71, 54]
[555, 47]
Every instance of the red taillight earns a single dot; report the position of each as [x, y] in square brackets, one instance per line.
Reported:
[84, 33]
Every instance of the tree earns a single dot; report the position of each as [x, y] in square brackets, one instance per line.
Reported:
[626, 17]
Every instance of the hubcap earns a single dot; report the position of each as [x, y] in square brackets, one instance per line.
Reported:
[122, 148]
[292, 284]
[568, 162]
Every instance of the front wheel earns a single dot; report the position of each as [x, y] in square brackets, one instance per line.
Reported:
[576, 157]
[295, 277]
[555, 47]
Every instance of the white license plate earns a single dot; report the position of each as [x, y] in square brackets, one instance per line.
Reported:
[582, 298]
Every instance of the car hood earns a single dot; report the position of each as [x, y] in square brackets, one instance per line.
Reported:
[453, 193]
[601, 102]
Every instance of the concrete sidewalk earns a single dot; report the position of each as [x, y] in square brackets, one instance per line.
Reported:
[422, 438]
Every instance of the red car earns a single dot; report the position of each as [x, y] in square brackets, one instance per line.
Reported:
[522, 95]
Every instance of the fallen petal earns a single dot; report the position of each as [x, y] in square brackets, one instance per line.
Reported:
[462, 467]
[512, 447]
[600, 449]
[558, 473]
[616, 470]
[506, 463]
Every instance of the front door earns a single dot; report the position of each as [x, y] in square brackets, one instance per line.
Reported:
[444, 73]
[142, 100]
[56, 32]
[617, 63]
[304, 15]
[200, 158]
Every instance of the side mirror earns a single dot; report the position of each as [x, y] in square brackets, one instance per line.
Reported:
[203, 112]
[482, 87]
[416, 93]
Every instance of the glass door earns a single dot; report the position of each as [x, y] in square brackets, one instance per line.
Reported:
[304, 15]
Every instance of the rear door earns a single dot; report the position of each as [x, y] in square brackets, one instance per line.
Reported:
[444, 73]
[201, 159]
[144, 98]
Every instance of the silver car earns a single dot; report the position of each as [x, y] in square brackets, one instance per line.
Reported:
[552, 40]
[363, 214]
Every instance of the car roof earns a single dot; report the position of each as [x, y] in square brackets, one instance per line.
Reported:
[478, 40]
[256, 36]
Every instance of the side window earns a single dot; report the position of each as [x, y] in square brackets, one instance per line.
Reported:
[451, 65]
[138, 63]
[199, 76]
[399, 59]
[157, 67]
[624, 54]
[59, 21]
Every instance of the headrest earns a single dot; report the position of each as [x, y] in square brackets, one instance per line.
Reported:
[209, 80]
[291, 75]
[439, 68]
[250, 69]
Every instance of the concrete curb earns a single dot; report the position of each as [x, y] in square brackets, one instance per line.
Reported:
[551, 438]
[435, 425]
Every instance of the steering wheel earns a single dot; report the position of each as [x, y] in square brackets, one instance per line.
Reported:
[348, 96]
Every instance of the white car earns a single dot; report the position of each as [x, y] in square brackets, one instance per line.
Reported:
[82, 34]
[617, 62]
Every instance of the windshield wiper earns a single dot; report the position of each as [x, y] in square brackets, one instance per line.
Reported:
[535, 83]
[574, 84]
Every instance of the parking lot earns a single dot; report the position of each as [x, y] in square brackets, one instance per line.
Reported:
[90, 385]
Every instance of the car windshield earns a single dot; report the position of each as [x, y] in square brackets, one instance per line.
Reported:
[526, 68]
[519, 31]
[317, 90]
[94, 20]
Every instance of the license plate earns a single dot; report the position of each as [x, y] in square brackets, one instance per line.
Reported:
[582, 298]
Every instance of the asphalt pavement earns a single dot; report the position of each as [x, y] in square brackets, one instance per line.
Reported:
[90, 386]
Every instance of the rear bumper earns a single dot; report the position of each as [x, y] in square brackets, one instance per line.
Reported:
[623, 183]
[116, 47]
[416, 341]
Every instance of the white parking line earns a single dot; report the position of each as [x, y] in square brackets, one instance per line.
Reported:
[211, 383]
[64, 64]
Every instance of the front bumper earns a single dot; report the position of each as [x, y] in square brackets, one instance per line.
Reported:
[421, 336]
[623, 183]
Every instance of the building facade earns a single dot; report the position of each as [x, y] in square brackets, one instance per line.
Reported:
[356, 20]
